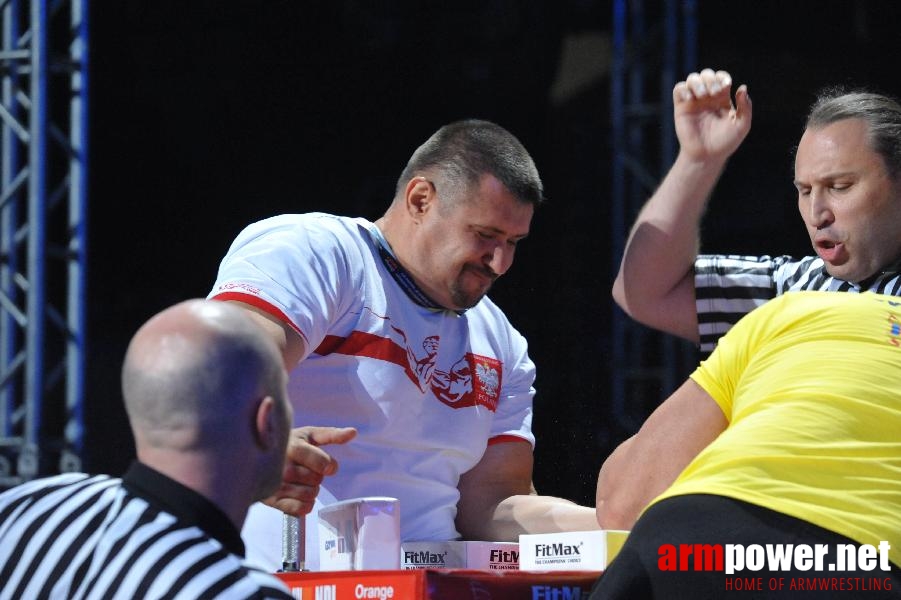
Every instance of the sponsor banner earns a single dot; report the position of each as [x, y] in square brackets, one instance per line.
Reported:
[571, 550]
[440, 584]
[347, 585]
[491, 556]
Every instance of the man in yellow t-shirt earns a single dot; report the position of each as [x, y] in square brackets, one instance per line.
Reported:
[789, 435]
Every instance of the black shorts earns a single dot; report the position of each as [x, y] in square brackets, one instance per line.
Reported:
[650, 564]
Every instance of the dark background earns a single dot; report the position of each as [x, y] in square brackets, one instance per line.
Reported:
[207, 115]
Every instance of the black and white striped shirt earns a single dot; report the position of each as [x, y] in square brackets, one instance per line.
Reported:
[143, 536]
[727, 287]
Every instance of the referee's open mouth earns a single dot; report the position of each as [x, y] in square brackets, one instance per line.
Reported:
[830, 251]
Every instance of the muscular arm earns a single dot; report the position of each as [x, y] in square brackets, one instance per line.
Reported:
[646, 464]
[306, 463]
[655, 283]
[498, 501]
[286, 338]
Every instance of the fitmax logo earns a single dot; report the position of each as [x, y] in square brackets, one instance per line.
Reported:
[557, 550]
[545, 592]
[425, 557]
[506, 556]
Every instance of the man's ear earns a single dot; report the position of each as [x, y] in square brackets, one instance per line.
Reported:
[264, 423]
[419, 195]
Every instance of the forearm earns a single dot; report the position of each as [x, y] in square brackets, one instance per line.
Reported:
[645, 465]
[535, 514]
[657, 267]
[622, 492]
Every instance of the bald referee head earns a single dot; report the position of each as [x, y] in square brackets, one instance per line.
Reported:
[205, 393]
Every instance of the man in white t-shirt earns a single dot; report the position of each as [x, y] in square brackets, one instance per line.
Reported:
[386, 328]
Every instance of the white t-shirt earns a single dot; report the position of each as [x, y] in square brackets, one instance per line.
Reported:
[426, 389]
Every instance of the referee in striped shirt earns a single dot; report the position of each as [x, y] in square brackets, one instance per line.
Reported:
[848, 180]
[205, 394]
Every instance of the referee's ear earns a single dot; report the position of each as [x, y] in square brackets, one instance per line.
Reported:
[266, 431]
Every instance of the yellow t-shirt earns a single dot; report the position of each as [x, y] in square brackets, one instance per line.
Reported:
[811, 386]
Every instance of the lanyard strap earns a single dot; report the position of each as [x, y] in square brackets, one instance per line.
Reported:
[401, 276]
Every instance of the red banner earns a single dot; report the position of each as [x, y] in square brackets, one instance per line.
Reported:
[440, 584]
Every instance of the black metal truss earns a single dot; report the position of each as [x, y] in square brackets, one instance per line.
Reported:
[654, 45]
[43, 231]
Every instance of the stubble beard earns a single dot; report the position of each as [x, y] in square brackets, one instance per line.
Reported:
[464, 299]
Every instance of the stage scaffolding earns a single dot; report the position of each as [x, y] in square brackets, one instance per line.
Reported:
[43, 230]
[654, 46]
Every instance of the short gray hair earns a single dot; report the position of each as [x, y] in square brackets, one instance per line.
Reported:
[881, 113]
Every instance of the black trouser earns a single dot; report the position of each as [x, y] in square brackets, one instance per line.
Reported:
[707, 520]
